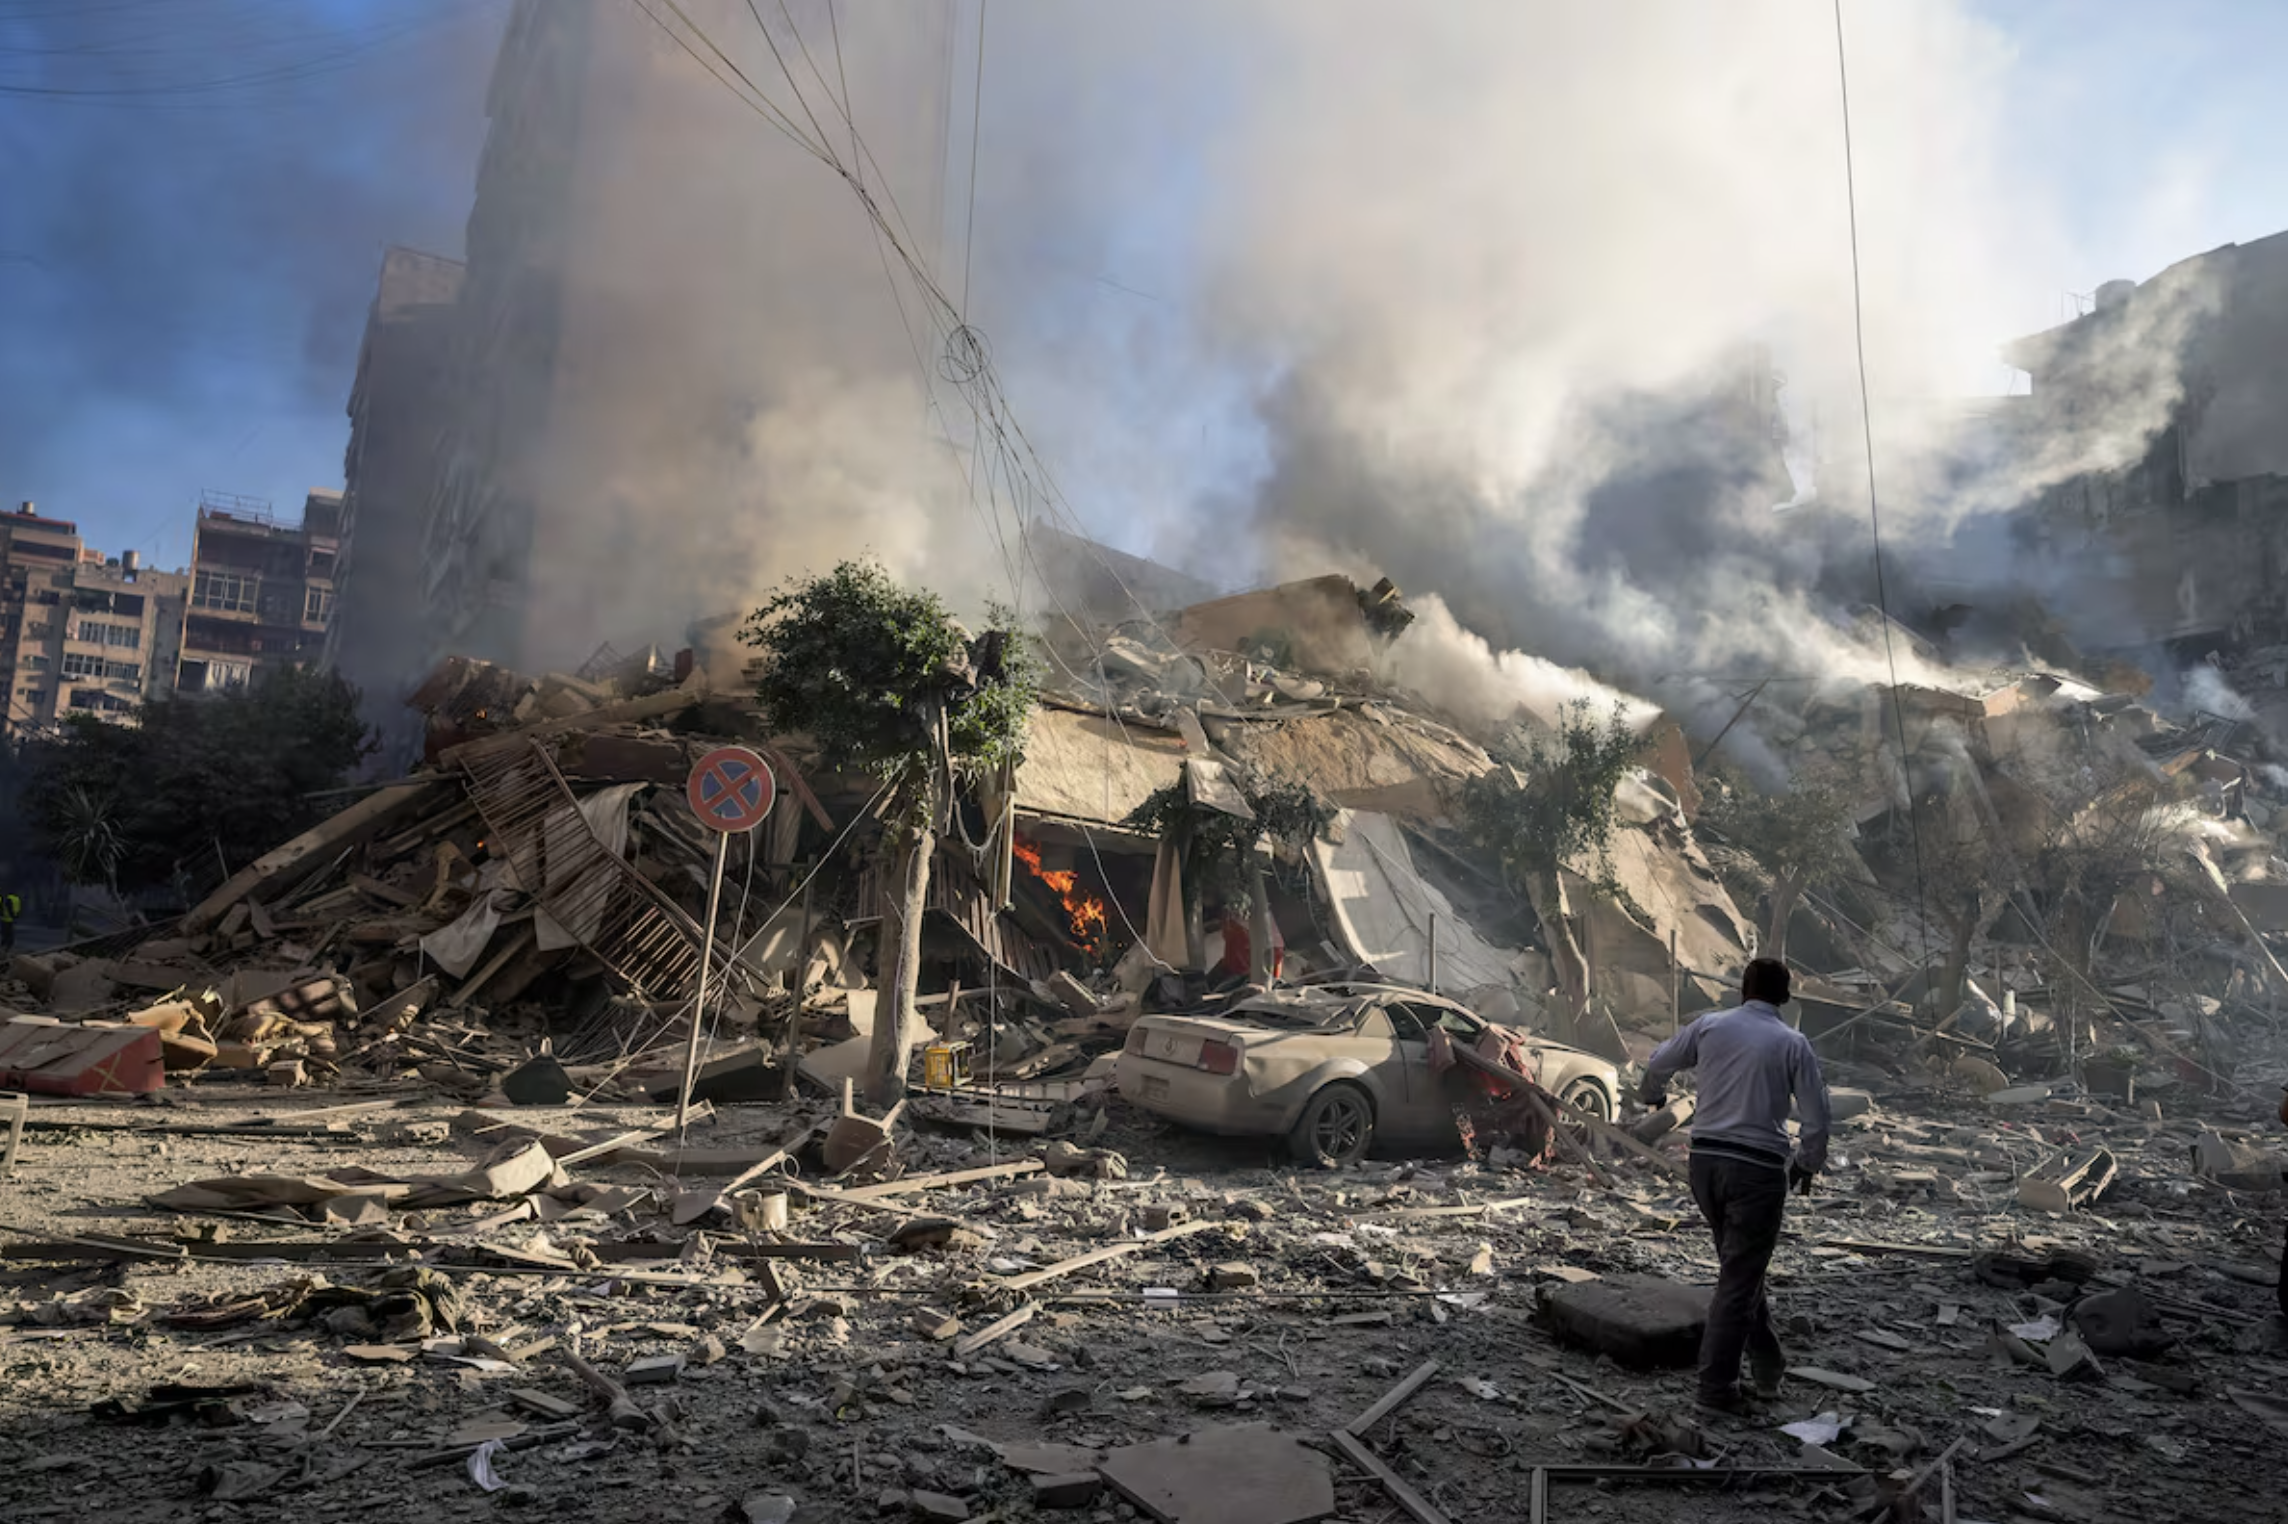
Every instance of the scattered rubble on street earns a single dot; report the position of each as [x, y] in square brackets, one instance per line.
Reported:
[359, 1188]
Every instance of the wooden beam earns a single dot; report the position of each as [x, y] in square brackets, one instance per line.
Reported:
[1416, 1506]
[1390, 1400]
[1100, 1256]
[360, 823]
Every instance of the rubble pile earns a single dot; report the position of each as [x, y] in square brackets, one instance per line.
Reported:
[488, 1262]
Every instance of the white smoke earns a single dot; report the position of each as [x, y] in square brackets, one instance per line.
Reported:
[1487, 299]
[2207, 691]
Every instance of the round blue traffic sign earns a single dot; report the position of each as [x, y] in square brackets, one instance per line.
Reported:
[731, 789]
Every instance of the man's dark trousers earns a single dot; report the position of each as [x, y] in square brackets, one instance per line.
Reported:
[2284, 1284]
[1743, 1203]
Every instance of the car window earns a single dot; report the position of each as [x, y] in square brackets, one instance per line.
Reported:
[1458, 1023]
[1405, 1023]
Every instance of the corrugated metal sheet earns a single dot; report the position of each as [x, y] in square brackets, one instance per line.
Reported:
[619, 915]
[956, 893]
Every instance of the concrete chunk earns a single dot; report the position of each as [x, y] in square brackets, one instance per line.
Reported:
[1076, 1490]
[1642, 1321]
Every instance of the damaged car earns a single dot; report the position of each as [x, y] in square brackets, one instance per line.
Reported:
[1335, 1070]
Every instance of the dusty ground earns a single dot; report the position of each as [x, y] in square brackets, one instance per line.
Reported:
[846, 1405]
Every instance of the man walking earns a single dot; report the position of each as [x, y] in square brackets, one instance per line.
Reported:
[1751, 1064]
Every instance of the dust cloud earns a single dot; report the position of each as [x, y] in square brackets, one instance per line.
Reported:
[1529, 307]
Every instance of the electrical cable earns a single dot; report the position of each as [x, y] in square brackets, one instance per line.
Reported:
[976, 122]
[1874, 511]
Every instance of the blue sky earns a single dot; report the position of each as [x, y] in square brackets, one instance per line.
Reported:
[195, 194]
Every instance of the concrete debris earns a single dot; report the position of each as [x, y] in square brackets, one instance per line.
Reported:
[1643, 1322]
[478, 980]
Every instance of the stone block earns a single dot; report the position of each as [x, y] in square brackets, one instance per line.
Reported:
[1642, 1321]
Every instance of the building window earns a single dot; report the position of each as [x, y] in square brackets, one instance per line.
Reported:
[78, 665]
[226, 591]
[213, 675]
[104, 600]
[34, 661]
[316, 605]
[39, 630]
[98, 633]
[99, 702]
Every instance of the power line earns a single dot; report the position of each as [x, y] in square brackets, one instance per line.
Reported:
[976, 121]
[1874, 510]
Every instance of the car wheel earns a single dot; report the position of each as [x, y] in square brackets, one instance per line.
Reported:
[1335, 1129]
[1588, 1097]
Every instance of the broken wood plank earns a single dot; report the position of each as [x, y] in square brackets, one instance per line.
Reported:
[1100, 1256]
[912, 1183]
[776, 1157]
[1501, 1204]
[996, 1329]
[1389, 1401]
[1600, 1128]
[624, 1413]
[1563, 1139]
[608, 1146]
[361, 822]
[388, 894]
[1416, 1506]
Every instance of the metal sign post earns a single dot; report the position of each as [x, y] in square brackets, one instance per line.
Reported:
[731, 790]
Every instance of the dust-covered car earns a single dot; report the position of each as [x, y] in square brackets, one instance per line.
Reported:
[1334, 1069]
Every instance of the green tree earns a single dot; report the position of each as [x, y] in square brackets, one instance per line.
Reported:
[887, 684]
[1550, 809]
[1800, 835]
[1218, 847]
[193, 786]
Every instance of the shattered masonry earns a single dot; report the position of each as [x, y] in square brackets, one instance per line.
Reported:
[400, 1219]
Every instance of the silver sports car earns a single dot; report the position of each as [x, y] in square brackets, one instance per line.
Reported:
[1335, 1069]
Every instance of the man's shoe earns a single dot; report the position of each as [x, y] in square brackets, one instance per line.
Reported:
[1764, 1377]
[1732, 1404]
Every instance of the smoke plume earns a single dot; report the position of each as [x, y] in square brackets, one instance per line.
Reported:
[1491, 301]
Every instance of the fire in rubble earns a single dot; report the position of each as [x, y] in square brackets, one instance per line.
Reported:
[1084, 912]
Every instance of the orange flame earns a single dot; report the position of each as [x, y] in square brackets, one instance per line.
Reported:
[1084, 911]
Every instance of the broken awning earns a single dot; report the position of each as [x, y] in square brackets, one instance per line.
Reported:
[1383, 908]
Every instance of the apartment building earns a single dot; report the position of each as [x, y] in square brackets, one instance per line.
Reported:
[588, 347]
[82, 633]
[261, 589]
[398, 414]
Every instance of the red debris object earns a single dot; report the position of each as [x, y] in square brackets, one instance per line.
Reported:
[44, 1058]
[1494, 1111]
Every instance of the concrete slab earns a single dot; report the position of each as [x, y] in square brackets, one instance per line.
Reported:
[1642, 1321]
[1243, 1474]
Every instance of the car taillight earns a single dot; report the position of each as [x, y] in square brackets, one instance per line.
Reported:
[1135, 1043]
[1219, 1057]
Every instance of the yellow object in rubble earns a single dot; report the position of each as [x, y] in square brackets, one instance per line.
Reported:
[945, 1065]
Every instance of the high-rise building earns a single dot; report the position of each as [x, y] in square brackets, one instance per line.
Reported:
[83, 633]
[398, 416]
[262, 589]
[620, 231]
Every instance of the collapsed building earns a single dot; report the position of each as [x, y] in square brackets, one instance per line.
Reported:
[538, 884]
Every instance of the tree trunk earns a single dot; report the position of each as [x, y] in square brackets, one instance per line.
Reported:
[897, 1024]
[1964, 925]
[1787, 889]
[1547, 894]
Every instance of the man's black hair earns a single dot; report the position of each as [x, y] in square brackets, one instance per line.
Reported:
[1765, 979]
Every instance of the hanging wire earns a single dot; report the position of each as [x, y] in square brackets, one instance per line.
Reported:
[1874, 509]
